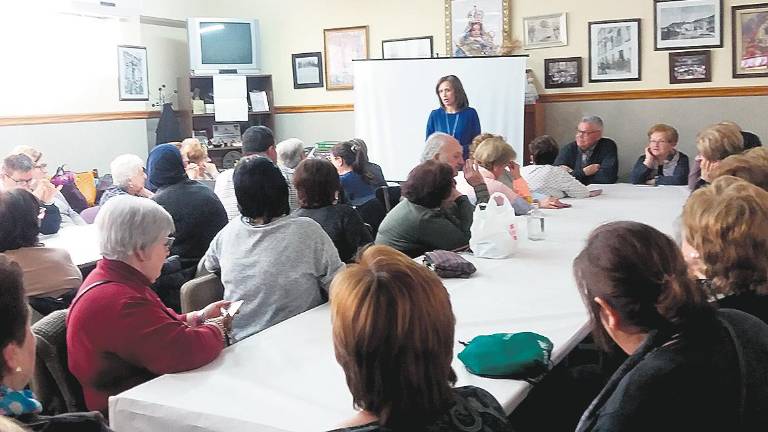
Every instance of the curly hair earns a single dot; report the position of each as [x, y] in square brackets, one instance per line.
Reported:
[727, 223]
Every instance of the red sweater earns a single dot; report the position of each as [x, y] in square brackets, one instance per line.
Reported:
[120, 334]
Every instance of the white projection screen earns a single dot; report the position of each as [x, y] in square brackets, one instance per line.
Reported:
[393, 99]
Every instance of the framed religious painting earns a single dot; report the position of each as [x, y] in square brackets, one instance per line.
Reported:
[614, 50]
[686, 24]
[476, 27]
[342, 45]
[750, 40]
[545, 31]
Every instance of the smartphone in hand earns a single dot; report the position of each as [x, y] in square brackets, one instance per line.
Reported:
[233, 308]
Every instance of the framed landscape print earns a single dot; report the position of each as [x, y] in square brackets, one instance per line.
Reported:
[307, 70]
[476, 27]
[545, 31]
[342, 45]
[690, 67]
[684, 24]
[614, 50]
[132, 73]
[562, 72]
[750, 40]
[414, 47]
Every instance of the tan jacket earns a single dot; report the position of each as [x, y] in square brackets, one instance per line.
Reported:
[48, 272]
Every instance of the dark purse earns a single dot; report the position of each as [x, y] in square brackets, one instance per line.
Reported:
[448, 264]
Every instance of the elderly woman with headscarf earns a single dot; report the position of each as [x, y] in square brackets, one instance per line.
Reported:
[128, 177]
[119, 333]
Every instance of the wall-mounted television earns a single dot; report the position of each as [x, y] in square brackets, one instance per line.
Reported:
[220, 45]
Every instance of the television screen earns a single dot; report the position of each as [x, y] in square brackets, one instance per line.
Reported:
[226, 43]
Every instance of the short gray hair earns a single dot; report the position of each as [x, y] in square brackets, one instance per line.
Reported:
[289, 152]
[124, 167]
[127, 224]
[593, 119]
[433, 144]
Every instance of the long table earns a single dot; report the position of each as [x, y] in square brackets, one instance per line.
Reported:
[286, 377]
[81, 241]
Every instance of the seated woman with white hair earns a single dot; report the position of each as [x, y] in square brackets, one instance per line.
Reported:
[289, 154]
[119, 333]
[128, 176]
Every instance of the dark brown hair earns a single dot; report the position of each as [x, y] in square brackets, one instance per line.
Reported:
[393, 330]
[641, 273]
[316, 182]
[458, 89]
[19, 224]
[429, 184]
[544, 150]
[14, 314]
[354, 155]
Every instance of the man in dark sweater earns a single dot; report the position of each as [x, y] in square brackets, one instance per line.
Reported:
[17, 174]
[591, 158]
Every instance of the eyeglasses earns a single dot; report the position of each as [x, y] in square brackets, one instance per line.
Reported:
[22, 182]
[41, 166]
[587, 132]
[659, 142]
[169, 241]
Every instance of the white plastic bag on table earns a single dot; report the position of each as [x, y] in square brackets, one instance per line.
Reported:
[493, 230]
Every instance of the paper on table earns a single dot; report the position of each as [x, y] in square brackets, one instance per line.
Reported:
[230, 98]
[259, 101]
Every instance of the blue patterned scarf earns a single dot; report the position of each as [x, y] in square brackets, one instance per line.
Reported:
[14, 403]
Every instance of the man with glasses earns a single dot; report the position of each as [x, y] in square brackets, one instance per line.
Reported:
[17, 173]
[592, 158]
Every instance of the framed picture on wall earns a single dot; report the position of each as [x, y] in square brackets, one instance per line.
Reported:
[476, 27]
[562, 72]
[545, 31]
[690, 67]
[132, 73]
[684, 24]
[614, 50]
[750, 40]
[342, 45]
[413, 47]
[307, 70]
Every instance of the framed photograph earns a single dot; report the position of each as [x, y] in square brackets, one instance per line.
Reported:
[307, 70]
[690, 67]
[132, 73]
[750, 41]
[545, 31]
[476, 27]
[414, 47]
[684, 24]
[614, 50]
[562, 72]
[342, 45]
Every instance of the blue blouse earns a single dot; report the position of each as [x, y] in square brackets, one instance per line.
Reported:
[463, 125]
[356, 189]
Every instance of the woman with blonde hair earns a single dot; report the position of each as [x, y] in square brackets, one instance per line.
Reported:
[714, 143]
[196, 161]
[399, 369]
[725, 241]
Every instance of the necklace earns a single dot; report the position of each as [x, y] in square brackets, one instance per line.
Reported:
[455, 122]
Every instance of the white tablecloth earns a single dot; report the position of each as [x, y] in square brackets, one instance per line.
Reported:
[286, 377]
[81, 241]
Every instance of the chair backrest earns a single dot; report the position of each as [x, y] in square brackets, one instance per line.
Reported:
[86, 182]
[200, 292]
[372, 212]
[55, 386]
[89, 214]
[389, 196]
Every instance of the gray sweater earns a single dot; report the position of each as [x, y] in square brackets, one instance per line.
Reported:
[280, 269]
[413, 229]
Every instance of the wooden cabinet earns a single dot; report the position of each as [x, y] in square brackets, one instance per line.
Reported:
[199, 124]
[533, 126]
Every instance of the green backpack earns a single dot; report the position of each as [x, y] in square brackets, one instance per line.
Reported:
[522, 355]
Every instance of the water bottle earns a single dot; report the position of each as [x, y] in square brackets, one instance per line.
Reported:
[536, 224]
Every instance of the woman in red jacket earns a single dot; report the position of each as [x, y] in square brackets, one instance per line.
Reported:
[119, 333]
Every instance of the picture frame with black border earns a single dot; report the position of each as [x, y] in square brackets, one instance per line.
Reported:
[565, 72]
[687, 24]
[750, 60]
[407, 48]
[307, 70]
[690, 67]
[132, 73]
[614, 50]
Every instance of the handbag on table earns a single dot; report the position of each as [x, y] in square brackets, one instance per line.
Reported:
[524, 355]
[448, 264]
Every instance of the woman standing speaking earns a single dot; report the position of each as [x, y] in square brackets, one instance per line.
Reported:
[454, 117]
